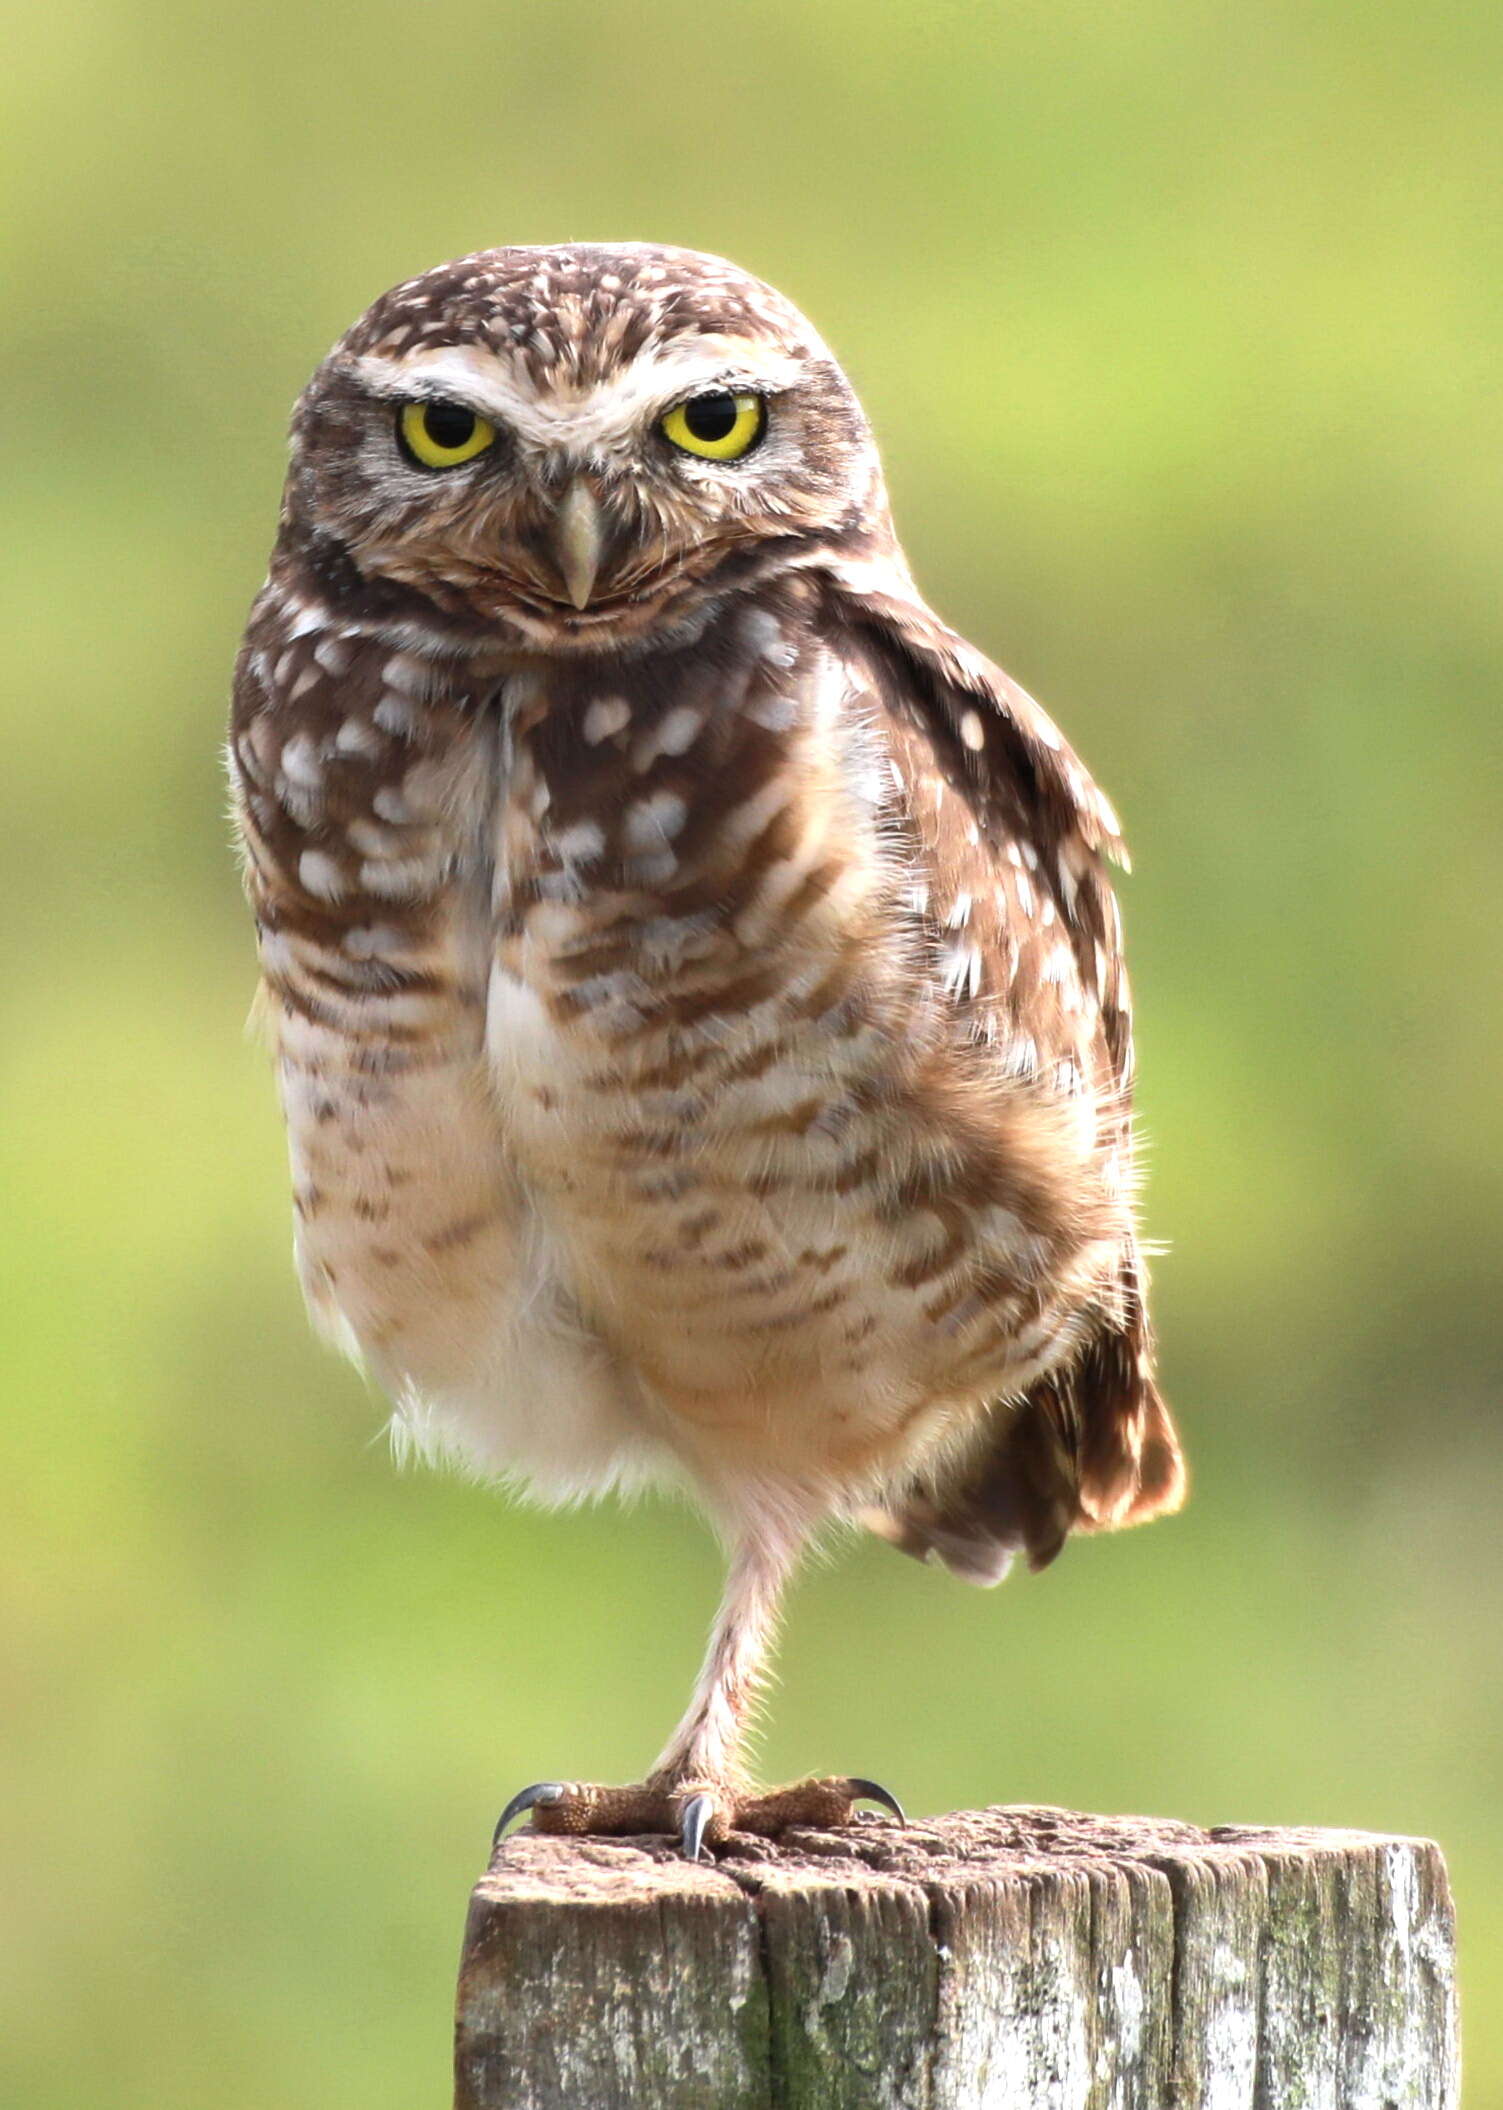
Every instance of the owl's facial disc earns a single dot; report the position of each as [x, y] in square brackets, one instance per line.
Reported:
[582, 511]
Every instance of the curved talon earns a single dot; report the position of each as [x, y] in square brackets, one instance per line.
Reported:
[546, 1792]
[873, 1791]
[693, 1823]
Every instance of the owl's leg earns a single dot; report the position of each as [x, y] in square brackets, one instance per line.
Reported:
[706, 1745]
[697, 1788]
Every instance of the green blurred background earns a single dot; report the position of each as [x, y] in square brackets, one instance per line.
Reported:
[1180, 324]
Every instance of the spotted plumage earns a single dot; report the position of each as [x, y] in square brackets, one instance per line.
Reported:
[696, 987]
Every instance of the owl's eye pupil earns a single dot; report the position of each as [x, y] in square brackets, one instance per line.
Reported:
[711, 417]
[448, 424]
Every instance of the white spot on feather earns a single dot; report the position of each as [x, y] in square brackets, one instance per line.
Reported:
[357, 736]
[322, 877]
[960, 971]
[371, 941]
[764, 635]
[372, 840]
[1044, 732]
[1069, 891]
[400, 879]
[300, 763]
[606, 716]
[332, 654]
[674, 734]
[394, 714]
[585, 839]
[775, 713]
[653, 821]
[408, 675]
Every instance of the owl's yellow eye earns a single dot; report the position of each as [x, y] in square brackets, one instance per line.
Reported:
[441, 435]
[717, 426]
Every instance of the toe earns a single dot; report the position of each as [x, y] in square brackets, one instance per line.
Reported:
[817, 1804]
[579, 1809]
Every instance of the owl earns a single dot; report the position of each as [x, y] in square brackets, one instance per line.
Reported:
[695, 984]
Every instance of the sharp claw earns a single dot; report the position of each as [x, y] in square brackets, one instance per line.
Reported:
[693, 1823]
[546, 1792]
[872, 1791]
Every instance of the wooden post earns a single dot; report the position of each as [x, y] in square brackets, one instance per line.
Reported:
[993, 1960]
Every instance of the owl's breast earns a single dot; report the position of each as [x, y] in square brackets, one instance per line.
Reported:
[688, 905]
[787, 1197]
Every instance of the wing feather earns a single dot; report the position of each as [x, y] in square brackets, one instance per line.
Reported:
[1090, 1445]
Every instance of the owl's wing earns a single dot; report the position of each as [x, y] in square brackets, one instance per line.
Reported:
[1016, 745]
[1024, 791]
[1090, 1446]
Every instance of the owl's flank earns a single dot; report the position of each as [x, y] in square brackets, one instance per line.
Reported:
[696, 986]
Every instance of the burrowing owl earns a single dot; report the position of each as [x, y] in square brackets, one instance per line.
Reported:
[697, 994]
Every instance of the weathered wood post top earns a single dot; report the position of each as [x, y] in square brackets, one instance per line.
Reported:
[992, 1960]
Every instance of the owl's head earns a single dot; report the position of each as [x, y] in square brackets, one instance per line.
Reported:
[580, 446]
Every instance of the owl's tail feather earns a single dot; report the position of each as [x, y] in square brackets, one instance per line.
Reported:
[1091, 1448]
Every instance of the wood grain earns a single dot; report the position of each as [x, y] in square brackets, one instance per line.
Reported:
[991, 1960]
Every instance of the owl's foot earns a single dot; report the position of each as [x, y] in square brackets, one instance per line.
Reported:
[698, 1813]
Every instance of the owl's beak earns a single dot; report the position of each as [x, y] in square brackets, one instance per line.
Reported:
[578, 540]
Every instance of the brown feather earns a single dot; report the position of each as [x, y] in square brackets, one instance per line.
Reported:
[1088, 1448]
[1090, 1445]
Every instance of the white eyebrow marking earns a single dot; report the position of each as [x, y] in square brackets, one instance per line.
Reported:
[557, 413]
